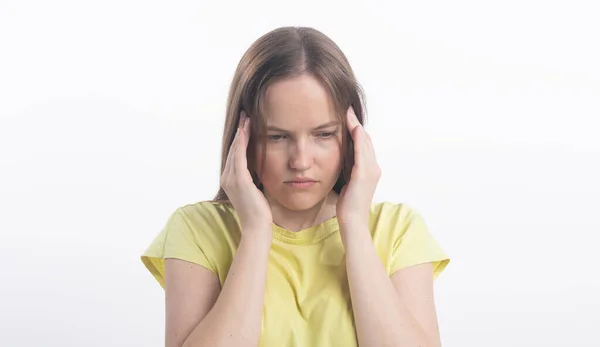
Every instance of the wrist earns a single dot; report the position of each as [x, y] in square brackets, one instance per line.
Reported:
[355, 231]
[353, 223]
[354, 220]
[257, 235]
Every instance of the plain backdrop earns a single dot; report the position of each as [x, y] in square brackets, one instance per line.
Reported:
[484, 116]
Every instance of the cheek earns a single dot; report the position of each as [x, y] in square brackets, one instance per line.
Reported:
[267, 166]
[330, 155]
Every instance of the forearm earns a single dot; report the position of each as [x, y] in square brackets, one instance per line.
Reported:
[381, 317]
[235, 319]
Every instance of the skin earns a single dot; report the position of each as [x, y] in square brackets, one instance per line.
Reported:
[300, 145]
[388, 311]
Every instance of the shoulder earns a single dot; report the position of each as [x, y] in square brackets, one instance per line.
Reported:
[210, 224]
[205, 233]
[392, 223]
[403, 238]
[393, 215]
[208, 214]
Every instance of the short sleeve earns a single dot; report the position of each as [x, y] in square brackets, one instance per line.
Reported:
[417, 246]
[176, 240]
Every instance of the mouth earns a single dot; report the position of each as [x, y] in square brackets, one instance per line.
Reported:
[302, 184]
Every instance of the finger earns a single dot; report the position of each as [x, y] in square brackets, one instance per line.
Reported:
[229, 161]
[365, 151]
[229, 164]
[354, 126]
[240, 162]
[367, 142]
[351, 120]
[367, 138]
[358, 146]
[368, 151]
[236, 140]
[247, 130]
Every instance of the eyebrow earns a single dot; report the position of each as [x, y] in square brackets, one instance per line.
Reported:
[326, 125]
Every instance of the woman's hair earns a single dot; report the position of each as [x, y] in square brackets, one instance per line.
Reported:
[283, 53]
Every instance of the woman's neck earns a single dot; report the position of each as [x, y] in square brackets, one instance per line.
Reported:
[299, 220]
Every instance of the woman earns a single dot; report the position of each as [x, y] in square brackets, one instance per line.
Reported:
[292, 251]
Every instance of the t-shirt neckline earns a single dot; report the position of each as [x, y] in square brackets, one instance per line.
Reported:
[309, 235]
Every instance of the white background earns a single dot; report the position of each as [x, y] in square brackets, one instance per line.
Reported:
[484, 116]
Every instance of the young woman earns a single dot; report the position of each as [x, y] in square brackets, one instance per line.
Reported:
[292, 251]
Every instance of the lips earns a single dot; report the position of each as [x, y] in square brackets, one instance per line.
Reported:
[301, 185]
[300, 180]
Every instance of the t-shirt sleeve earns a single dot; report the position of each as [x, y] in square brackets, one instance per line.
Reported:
[176, 240]
[416, 246]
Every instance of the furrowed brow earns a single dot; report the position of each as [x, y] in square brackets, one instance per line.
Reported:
[322, 126]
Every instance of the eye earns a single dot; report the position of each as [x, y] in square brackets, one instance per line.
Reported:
[275, 137]
[326, 135]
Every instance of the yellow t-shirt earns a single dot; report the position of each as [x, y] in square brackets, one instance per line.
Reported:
[307, 299]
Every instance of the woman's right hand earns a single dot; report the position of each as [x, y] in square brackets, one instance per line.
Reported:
[249, 202]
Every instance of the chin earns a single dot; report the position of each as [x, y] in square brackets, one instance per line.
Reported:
[300, 201]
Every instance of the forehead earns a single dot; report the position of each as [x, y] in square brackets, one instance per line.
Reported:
[298, 103]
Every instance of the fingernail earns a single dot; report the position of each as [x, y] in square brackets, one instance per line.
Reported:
[246, 121]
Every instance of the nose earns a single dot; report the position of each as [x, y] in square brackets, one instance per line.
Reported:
[301, 157]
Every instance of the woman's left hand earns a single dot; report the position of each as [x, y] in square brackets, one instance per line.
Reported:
[354, 202]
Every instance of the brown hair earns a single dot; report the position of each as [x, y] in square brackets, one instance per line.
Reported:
[284, 53]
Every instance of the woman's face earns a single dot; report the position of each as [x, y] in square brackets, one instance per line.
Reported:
[304, 139]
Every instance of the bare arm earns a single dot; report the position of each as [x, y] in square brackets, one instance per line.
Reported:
[198, 315]
[385, 314]
[414, 285]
